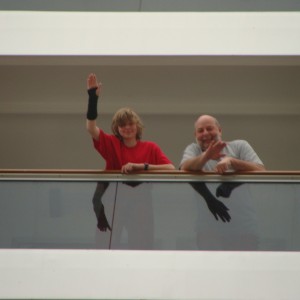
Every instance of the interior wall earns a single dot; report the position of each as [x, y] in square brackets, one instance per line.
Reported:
[42, 110]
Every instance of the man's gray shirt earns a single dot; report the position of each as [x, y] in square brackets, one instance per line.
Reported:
[239, 149]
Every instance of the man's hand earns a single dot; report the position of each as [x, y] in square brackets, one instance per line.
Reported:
[92, 83]
[223, 165]
[214, 150]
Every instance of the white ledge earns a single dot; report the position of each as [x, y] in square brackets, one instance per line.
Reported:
[96, 33]
[94, 274]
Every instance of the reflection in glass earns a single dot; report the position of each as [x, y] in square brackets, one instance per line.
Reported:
[216, 207]
[41, 214]
[98, 206]
[241, 233]
[225, 188]
[133, 220]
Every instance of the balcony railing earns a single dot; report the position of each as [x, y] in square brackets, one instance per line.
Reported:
[91, 209]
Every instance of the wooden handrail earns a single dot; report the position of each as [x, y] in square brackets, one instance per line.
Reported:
[173, 172]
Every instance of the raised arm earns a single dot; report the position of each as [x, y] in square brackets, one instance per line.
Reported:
[94, 89]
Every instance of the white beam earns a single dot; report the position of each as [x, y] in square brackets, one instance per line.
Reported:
[104, 274]
[98, 34]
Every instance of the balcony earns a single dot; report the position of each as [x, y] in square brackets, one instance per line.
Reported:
[157, 211]
[244, 226]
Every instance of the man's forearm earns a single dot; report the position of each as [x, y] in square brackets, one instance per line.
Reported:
[241, 165]
[195, 164]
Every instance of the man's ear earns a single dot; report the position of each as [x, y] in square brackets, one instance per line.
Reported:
[195, 131]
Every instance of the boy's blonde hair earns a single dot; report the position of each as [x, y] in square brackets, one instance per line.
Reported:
[124, 116]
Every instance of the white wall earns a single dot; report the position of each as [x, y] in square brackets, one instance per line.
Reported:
[88, 33]
[42, 123]
[69, 274]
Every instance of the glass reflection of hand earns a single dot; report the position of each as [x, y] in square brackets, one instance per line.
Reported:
[102, 224]
[225, 188]
[216, 207]
[98, 206]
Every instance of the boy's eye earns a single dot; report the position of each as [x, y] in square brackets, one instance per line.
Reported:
[127, 124]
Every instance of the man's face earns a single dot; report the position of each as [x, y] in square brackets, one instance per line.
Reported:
[206, 131]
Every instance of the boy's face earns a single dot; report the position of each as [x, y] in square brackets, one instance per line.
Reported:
[128, 130]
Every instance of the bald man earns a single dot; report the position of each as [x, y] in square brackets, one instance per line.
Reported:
[210, 153]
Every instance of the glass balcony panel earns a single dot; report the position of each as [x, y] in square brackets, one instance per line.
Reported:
[157, 216]
[47, 214]
[194, 216]
[147, 215]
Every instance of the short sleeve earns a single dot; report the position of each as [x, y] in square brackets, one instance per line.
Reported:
[190, 151]
[247, 153]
